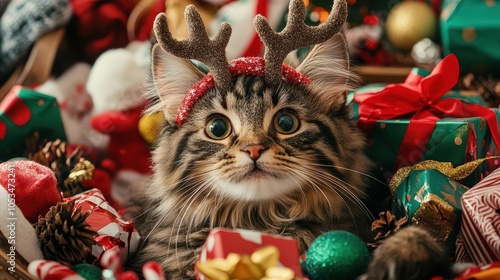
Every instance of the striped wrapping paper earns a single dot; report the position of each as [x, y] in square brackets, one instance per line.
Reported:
[480, 229]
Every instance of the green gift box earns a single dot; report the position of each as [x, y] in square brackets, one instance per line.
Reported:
[448, 139]
[455, 140]
[24, 112]
[469, 29]
[429, 199]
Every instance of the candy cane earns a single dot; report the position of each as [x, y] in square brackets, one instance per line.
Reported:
[111, 260]
[50, 270]
[153, 271]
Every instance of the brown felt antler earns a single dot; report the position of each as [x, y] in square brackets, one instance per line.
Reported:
[296, 34]
[198, 45]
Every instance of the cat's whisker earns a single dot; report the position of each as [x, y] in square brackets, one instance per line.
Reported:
[156, 225]
[347, 169]
[154, 206]
[309, 180]
[199, 186]
[186, 206]
[203, 186]
[299, 177]
[339, 190]
[342, 186]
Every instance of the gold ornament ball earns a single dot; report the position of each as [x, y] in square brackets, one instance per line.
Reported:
[409, 22]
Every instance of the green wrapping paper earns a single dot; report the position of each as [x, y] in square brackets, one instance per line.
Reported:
[431, 200]
[470, 30]
[22, 113]
[455, 140]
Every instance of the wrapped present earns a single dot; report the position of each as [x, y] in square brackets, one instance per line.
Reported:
[23, 112]
[113, 233]
[429, 195]
[221, 243]
[480, 229]
[410, 122]
[468, 29]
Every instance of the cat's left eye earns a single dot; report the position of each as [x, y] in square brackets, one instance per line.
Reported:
[286, 123]
[218, 127]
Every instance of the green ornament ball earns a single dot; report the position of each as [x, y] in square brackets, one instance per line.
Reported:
[338, 255]
[87, 271]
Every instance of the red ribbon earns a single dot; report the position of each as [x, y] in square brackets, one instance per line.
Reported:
[419, 99]
[109, 242]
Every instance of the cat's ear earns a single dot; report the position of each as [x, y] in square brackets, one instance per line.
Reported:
[327, 65]
[173, 77]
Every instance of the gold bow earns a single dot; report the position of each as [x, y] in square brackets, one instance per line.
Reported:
[455, 173]
[261, 265]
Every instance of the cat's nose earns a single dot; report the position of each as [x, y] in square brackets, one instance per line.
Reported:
[254, 151]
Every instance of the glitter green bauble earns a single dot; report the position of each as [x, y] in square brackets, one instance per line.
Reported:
[87, 271]
[336, 255]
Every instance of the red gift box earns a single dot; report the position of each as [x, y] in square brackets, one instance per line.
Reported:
[113, 232]
[220, 242]
[479, 240]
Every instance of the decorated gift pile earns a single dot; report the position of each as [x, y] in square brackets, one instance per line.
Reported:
[74, 230]
[410, 122]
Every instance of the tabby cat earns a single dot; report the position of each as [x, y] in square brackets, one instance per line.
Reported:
[281, 158]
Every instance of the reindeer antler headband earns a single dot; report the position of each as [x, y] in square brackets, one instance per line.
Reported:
[212, 53]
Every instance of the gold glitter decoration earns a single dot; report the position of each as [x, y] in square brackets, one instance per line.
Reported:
[469, 93]
[382, 125]
[40, 102]
[436, 216]
[455, 173]
[490, 3]
[83, 170]
[262, 264]
[469, 34]
[458, 141]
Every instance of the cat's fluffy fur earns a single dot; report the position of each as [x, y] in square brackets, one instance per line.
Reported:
[309, 182]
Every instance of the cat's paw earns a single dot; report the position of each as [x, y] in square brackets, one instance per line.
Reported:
[411, 253]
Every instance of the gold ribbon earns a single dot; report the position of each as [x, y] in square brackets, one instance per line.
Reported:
[262, 264]
[83, 170]
[455, 173]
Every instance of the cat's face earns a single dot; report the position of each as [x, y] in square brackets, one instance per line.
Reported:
[259, 142]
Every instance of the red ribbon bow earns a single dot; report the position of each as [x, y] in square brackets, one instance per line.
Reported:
[419, 98]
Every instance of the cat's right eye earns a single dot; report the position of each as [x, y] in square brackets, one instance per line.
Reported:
[218, 127]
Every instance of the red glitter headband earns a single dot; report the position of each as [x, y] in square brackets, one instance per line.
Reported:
[243, 65]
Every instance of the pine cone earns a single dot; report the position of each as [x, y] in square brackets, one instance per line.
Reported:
[64, 236]
[387, 225]
[34, 144]
[53, 155]
[488, 88]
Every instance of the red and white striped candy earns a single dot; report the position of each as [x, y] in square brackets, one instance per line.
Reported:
[480, 228]
[51, 270]
[110, 259]
[153, 271]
